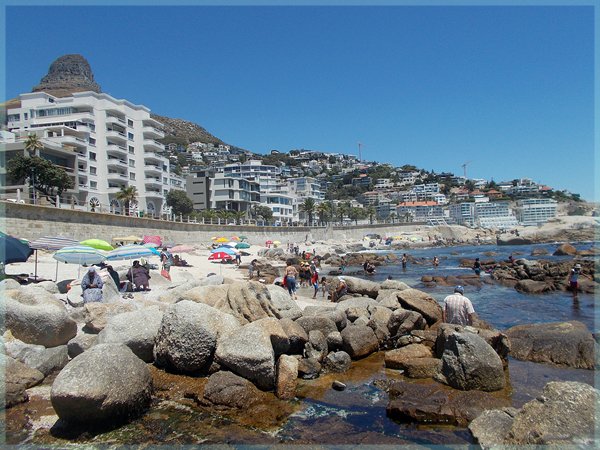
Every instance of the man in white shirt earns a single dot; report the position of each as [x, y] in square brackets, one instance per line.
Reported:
[458, 309]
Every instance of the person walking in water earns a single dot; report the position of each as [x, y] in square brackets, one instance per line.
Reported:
[404, 260]
[477, 266]
[458, 309]
[574, 279]
[436, 261]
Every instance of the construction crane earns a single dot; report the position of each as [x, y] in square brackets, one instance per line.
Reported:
[464, 166]
[360, 144]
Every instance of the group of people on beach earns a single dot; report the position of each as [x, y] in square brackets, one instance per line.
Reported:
[308, 275]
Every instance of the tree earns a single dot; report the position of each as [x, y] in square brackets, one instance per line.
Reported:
[323, 211]
[355, 214]
[179, 202]
[308, 206]
[127, 195]
[33, 144]
[470, 185]
[371, 212]
[48, 179]
[263, 212]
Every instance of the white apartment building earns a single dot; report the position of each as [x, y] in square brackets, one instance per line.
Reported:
[484, 214]
[535, 211]
[233, 194]
[115, 143]
[305, 187]
[267, 176]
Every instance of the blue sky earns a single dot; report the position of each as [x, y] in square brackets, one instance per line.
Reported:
[508, 88]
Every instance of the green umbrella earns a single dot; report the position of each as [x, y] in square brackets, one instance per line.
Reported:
[98, 244]
[242, 245]
[243, 238]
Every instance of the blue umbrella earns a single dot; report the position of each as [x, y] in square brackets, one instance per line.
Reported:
[227, 250]
[130, 252]
[13, 250]
[79, 254]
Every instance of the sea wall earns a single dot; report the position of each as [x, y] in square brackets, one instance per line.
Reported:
[31, 222]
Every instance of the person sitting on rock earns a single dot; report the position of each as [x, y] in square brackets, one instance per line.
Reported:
[458, 309]
[91, 286]
[139, 276]
[340, 290]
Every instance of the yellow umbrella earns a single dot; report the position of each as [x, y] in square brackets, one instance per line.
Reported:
[130, 238]
[222, 239]
[277, 242]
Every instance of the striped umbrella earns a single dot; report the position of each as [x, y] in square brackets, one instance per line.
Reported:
[51, 243]
[182, 249]
[79, 254]
[129, 252]
[154, 239]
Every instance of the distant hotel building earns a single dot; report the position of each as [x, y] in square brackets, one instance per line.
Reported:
[105, 143]
[535, 211]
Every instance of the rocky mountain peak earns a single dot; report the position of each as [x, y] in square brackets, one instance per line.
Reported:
[68, 74]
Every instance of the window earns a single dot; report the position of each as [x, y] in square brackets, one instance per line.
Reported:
[131, 163]
[165, 181]
[130, 136]
[92, 170]
[92, 141]
[92, 156]
[25, 116]
[93, 184]
[14, 117]
[132, 176]
[129, 122]
[131, 149]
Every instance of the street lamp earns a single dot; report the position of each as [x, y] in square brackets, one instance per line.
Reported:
[33, 183]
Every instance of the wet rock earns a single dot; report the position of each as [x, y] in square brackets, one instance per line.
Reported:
[469, 363]
[17, 378]
[359, 341]
[564, 414]
[337, 362]
[105, 384]
[422, 367]
[34, 316]
[540, 251]
[434, 403]
[316, 347]
[422, 303]
[533, 287]
[136, 329]
[491, 427]
[497, 340]
[561, 343]
[397, 358]
[309, 369]
[287, 377]
[507, 240]
[338, 385]
[46, 360]
[188, 334]
[80, 343]
[565, 250]
[324, 324]
[296, 335]
[230, 390]
[249, 353]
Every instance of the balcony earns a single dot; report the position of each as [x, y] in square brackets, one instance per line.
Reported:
[151, 144]
[117, 176]
[151, 168]
[153, 181]
[71, 141]
[152, 132]
[115, 119]
[117, 135]
[116, 149]
[116, 162]
[153, 193]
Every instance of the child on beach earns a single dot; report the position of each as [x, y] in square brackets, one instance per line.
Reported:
[324, 286]
[314, 280]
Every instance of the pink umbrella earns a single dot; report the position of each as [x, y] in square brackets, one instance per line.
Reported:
[152, 240]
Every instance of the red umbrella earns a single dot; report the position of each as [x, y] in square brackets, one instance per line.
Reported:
[152, 240]
[269, 242]
[219, 255]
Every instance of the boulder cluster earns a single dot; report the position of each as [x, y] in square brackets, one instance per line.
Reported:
[246, 337]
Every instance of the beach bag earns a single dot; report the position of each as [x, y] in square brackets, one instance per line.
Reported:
[165, 274]
[284, 284]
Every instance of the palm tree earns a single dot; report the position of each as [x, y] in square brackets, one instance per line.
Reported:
[239, 216]
[393, 217]
[323, 212]
[308, 206]
[33, 144]
[371, 212]
[127, 195]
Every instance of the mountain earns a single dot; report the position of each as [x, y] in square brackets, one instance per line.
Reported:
[73, 73]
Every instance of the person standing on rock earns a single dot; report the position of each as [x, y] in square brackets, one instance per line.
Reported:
[574, 279]
[458, 309]
[290, 279]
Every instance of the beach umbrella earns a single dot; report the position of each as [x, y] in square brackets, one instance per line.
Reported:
[220, 255]
[228, 244]
[243, 238]
[242, 245]
[152, 245]
[182, 249]
[214, 238]
[227, 250]
[51, 243]
[269, 242]
[98, 244]
[222, 239]
[13, 250]
[155, 239]
[235, 238]
[130, 252]
[79, 254]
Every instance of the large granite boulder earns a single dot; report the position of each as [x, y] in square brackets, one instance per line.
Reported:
[136, 329]
[80, 343]
[46, 360]
[362, 287]
[105, 384]
[563, 416]
[355, 302]
[533, 287]
[496, 339]
[248, 301]
[17, 377]
[359, 341]
[424, 304]
[36, 317]
[330, 312]
[278, 336]
[287, 377]
[188, 335]
[325, 325]
[337, 362]
[565, 250]
[469, 363]
[403, 321]
[398, 358]
[96, 315]
[378, 322]
[561, 343]
[230, 390]
[249, 353]
[209, 295]
[296, 335]
[394, 285]
[316, 347]
[281, 300]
